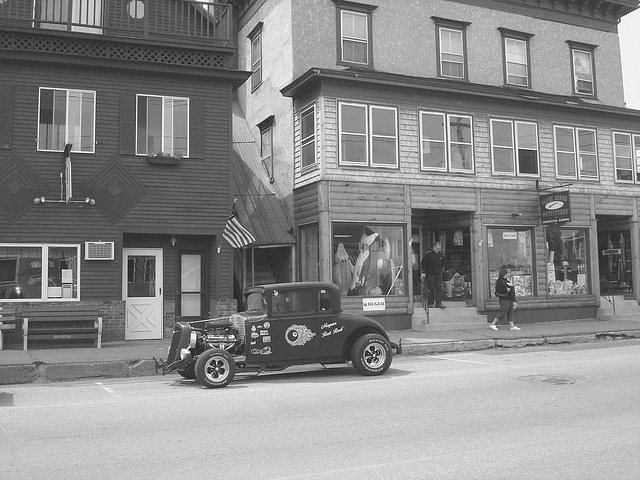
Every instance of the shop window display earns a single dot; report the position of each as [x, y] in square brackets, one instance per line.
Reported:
[567, 272]
[512, 248]
[368, 259]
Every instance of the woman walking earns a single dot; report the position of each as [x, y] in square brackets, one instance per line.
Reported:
[506, 294]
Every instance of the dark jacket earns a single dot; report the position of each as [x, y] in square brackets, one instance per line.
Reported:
[504, 289]
[432, 263]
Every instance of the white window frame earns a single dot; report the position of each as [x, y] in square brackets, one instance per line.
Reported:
[512, 61]
[633, 157]
[44, 289]
[448, 142]
[256, 60]
[345, 38]
[592, 91]
[367, 135]
[577, 152]
[164, 148]
[311, 139]
[457, 54]
[514, 147]
[68, 136]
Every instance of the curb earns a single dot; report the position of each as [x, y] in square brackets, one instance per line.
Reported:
[40, 373]
[417, 347]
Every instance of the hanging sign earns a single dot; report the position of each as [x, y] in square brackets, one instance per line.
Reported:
[555, 208]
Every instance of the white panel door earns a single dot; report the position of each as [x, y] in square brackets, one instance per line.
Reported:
[142, 292]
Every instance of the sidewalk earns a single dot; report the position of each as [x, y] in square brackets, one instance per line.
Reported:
[135, 358]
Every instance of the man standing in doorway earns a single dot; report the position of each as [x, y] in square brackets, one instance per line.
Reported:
[432, 264]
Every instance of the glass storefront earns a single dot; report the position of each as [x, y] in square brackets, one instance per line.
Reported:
[567, 266]
[512, 248]
[368, 259]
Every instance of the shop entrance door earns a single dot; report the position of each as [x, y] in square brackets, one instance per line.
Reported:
[142, 293]
[614, 256]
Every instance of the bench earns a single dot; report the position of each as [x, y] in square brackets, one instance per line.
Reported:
[7, 322]
[71, 323]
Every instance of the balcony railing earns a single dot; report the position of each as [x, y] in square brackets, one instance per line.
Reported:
[194, 21]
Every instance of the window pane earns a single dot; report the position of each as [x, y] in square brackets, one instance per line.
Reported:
[154, 125]
[502, 133]
[190, 273]
[383, 121]
[433, 155]
[432, 126]
[20, 272]
[512, 249]
[353, 119]
[307, 132]
[528, 161]
[368, 259]
[190, 305]
[582, 72]
[587, 141]
[62, 272]
[567, 271]
[354, 149]
[461, 157]
[588, 166]
[527, 136]
[354, 51]
[383, 151]
[354, 37]
[451, 53]
[307, 124]
[566, 164]
[460, 129]
[564, 140]
[461, 152]
[503, 161]
[52, 130]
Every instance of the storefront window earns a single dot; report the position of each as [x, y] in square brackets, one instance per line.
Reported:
[368, 259]
[512, 248]
[22, 268]
[567, 270]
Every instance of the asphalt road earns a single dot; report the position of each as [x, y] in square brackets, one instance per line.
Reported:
[537, 413]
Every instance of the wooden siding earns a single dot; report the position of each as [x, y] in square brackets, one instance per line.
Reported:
[443, 198]
[306, 201]
[191, 198]
[366, 202]
[613, 205]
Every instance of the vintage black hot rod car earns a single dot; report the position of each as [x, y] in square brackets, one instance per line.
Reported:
[285, 324]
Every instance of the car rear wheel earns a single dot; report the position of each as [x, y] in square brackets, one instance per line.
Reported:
[371, 354]
[215, 368]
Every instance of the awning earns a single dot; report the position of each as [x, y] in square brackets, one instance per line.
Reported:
[259, 211]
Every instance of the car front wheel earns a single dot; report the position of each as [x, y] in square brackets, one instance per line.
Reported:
[215, 368]
[371, 354]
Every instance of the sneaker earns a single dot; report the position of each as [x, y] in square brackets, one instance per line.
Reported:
[439, 305]
[430, 305]
[493, 327]
[515, 328]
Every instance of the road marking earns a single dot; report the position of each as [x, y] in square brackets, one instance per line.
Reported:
[109, 391]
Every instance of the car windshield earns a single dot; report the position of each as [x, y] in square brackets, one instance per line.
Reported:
[255, 301]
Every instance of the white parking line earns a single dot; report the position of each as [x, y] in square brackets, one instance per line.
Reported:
[109, 391]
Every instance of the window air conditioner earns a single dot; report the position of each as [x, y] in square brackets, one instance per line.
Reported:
[98, 250]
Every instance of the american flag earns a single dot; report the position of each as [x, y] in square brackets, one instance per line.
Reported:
[235, 233]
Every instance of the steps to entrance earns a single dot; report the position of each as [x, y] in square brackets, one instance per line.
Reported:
[457, 316]
[625, 309]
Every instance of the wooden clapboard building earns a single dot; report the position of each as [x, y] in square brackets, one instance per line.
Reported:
[115, 159]
[495, 127]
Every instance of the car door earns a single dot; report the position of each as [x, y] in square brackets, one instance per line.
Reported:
[291, 331]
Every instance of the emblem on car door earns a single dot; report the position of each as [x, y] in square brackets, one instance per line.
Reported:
[298, 335]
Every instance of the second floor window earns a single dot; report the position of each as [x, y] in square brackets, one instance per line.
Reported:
[514, 147]
[308, 137]
[162, 125]
[583, 70]
[452, 48]
[368, 135]
[266, 149]
[66, 116]
[354, 41]
[446, 142]
[576, 152]
[516, 57]
[627, 157]
[256, 57]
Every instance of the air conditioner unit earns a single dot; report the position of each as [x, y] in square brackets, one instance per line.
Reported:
[98, 250]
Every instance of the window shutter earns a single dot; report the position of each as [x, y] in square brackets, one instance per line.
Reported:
[127, 124]
[196, 128]
[6, 112]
